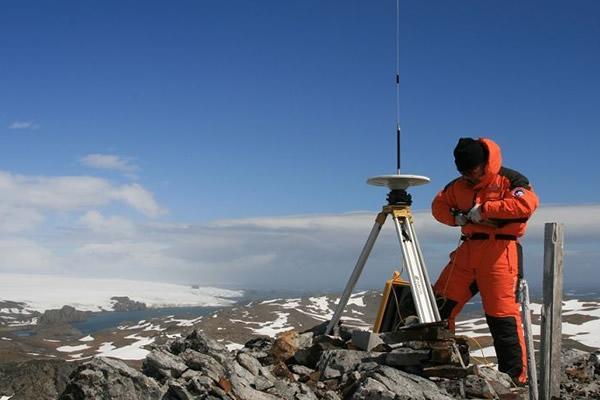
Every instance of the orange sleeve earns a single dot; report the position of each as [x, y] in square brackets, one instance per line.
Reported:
[519, 203]
[441, 205]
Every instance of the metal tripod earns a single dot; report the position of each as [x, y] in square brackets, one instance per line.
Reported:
[422, 292]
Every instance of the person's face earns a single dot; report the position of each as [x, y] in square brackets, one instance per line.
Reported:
[474, 175]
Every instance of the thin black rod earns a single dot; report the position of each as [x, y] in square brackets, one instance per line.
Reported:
[398, 86]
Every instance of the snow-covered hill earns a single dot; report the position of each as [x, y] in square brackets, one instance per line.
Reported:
[235, 325]
[22, 297]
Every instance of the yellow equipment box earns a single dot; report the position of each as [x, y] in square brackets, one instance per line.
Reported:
[397, 306]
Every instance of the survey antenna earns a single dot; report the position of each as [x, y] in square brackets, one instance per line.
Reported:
[398, 207]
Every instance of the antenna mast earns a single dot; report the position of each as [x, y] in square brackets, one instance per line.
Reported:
[398, 87]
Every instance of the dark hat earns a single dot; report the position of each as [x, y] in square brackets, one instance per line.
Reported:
[469, 153]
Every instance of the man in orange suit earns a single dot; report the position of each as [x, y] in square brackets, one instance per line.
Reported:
[491, 204]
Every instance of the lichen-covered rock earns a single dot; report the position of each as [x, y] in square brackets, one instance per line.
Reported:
[390, 383]
[479, 388]
[310, 356]
[249, 362]
[34, 379]
[106, 378]
[335, 363]
[203, 363]
[201, 343]
[162, 365]
[292, 391]
[285, 346]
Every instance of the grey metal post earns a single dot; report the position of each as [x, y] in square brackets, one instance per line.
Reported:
[362, 259]
[551, 333]
[526, 316]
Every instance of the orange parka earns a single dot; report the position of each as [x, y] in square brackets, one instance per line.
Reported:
[507, 200]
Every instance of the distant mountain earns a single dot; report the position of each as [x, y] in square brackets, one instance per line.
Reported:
[234, 326]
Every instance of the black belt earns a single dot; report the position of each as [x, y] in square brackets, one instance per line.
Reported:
[486, 236]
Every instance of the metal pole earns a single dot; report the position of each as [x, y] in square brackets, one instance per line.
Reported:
[362, 259]
[526, 316]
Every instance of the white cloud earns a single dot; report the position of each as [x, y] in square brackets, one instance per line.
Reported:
[139, 198]
[23, 125]
[113, 226]
[15, 219]
[24, 255]
[110, 162]
[313, 252]
[26, 198]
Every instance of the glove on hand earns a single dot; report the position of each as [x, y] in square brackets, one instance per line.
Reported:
[474, 214]
[460, 219]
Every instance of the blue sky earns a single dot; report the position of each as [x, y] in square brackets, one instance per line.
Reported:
[185, 113]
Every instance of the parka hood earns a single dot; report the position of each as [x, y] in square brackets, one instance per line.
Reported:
[494, 163]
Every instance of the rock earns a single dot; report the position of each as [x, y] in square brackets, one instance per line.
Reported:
[346, 332]
[389, 383]
[261, 383]
[163, 365]
[305, 340]
[201, 343]
[301, 370]
[200, 384]
[225, 385]
[403, 357]
[65, 315]
[203, 363]
[365, 340]
[106, 378]
[445, 371]
[580, 376]
[242, 390]
[455, 388]
[285, 346]
[50, 376]
[266, 372]
[124, 303]
[260, 344]
[249, 362]
[310, 356]
[335, 363]
[476, 386]
[259, 348]
[501, 382]
[177, 391]
[217, 392]
[235, 370]
[330, 395]
[292, 391]
[281, 370]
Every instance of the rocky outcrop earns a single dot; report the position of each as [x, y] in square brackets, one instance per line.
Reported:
[295, 366]
[124, 303]
[35, 379]
[65, 315]
[106, 378]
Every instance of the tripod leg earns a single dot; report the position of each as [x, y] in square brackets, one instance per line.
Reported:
[423, 268]
[419, 280]
[362, 259]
